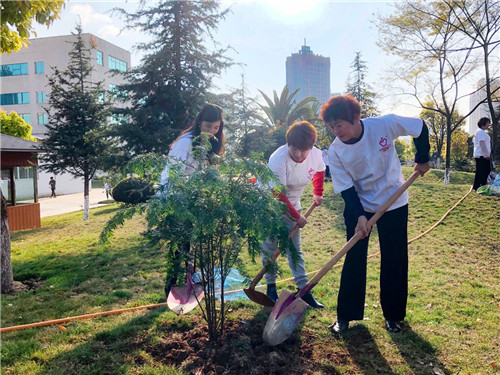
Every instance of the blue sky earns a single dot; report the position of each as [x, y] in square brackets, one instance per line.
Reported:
[262, 34]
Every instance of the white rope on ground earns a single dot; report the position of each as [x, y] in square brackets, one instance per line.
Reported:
[114, 312]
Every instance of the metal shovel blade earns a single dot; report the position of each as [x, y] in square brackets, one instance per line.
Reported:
[290, 307]
[258, 297]
[183, 299]
[285, 315]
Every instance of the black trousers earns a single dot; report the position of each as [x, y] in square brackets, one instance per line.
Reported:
[172, 277]
[393, 238]
[483, 169]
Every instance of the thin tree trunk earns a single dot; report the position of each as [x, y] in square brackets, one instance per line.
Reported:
[489, 97]
[86, 202]
[448, 152]
[7, 283]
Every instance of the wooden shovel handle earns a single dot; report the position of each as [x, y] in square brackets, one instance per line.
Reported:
[357, 236]
[275, 255]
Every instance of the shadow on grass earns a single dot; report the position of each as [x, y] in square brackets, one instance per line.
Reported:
[107, 352]
[25, 234]
[112, 208]
[418, 353]
[70, 270]
[364, 351]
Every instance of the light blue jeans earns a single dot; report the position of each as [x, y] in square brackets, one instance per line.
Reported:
[298, 267]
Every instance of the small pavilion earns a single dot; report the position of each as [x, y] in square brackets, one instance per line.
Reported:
[19, 182]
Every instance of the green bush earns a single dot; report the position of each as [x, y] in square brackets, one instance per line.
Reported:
[133, 190]
[217, 211]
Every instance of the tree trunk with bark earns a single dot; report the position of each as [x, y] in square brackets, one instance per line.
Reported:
[7, 275]
[86, 198]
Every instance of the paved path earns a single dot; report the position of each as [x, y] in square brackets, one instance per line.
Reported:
[70, 202]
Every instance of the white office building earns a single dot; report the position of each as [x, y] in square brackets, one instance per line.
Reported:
[24, 85]
[482, 110]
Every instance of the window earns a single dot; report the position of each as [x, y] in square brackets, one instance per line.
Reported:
[14, 70]
[116, 64]
[15, 98]
[23, 173]
[26, 117]
[99, 57]
[40, 97]
[43, 119]
[39, 67]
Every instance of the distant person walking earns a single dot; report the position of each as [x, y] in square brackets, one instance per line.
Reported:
[482, 153]
[52, 184]
[107, 189]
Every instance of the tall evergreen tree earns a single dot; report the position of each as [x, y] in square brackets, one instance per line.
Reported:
[169, 87]
[77, 138]
[241, 115]
[360, 89]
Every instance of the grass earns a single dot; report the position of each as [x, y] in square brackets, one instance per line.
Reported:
[453, 311]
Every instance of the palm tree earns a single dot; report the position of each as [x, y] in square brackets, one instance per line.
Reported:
[283, 111]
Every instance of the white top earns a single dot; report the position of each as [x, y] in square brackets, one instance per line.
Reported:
[372, 165]
[181, 152]
[295, 176]
[482, 138]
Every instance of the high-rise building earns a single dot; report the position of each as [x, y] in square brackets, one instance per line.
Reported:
[24, 89]
[310, 73]
[24, 85]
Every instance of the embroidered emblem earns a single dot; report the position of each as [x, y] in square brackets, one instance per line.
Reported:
[385, 145]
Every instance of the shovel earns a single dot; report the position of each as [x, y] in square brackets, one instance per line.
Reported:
[259, 297]
[183, 299]
[290, 307]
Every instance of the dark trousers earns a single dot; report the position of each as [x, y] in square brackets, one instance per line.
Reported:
[53, 192]
[172, 277]
[327, 172]
[393, 239]
[483, 169]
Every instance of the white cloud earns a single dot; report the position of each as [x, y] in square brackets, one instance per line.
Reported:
[88, 16]
[109, 30]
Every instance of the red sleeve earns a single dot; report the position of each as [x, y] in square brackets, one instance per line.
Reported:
[291, 210]
[318, 179]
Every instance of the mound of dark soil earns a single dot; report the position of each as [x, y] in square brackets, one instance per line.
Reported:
[241, 350]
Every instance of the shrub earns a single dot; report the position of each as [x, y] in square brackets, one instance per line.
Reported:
[133, 190]
[218, 211]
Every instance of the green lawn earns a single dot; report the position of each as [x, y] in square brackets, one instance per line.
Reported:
[453, 314]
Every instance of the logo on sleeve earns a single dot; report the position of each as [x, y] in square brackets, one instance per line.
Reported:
[384, 143]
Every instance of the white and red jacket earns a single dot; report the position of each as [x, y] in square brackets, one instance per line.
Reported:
[296, 176]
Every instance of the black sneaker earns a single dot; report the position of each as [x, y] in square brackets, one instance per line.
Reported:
[340, 327]
[393, 326]
[311, 301]
[272, 292]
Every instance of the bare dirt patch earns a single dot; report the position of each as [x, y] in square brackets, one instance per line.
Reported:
[241, 350]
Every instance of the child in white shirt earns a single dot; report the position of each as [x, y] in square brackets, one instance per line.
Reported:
[296, 164]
